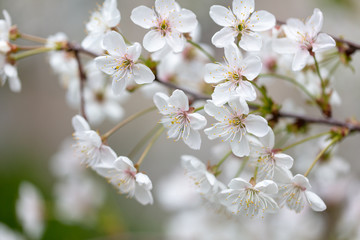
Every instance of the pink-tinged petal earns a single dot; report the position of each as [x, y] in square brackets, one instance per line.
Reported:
[153, 41]
[224, 37]
[268, 140]
[222, 93]
[144, 17]
[315, 202]
[142, 74]
[164, 7]
[267, 186]
[233, 55]
[239, 184]
[246, 91]
[315, 23]
[110, 13]
[176, 41]
[179, 100]
[119, 84]
[294, 29]
[114, 43]
[240, 147]
[252, 68]
[106, 64]
[197, 121]
[107, 155]
[261, 21]
[219, 113]
[283, 160]
[300, 59]
[193, 140]
[243, 8]
[183, 21]
[80, 124]
[124, 163]
[256, 125]
[222, 16]
[134, 51]
[251, 41]
[323, 42]
[239, 105]
[301, 181]
[143, 196]
[215, 72]
[161, 102]
[285, 46]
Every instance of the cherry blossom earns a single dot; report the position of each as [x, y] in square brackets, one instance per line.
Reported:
[122, 174]
[303, 39]
[295, 194]
[101, 22]
[231, 77]
[242, 23]
[243, 197]
[234, 124]
[166, 25]
[122, 63]
[179, 118]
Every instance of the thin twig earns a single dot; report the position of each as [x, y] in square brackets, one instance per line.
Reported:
[82, 76]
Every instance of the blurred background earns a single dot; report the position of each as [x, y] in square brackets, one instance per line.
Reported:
[34, 123]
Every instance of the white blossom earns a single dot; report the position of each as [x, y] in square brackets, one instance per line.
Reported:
[179, 118]
[303, 39]
[243, 197]
[241, 22]
[8, 234]
[295, 195]
[122, 63]
[234, 124]
[100, 23]
[166, 25]
[231, 77]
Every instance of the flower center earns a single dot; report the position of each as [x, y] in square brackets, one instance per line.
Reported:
[164, 26]
[125, 63]
[237, 121]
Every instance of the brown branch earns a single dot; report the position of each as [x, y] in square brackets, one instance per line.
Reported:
[82, 76]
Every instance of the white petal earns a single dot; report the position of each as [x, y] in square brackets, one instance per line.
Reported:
[197, 121]
[179, 100]
[119, 84]
[240, 147]
[93, 42]
[142, 74]
[268, 141]
[14, 84]
[215, 132]
[144, 17]
[215, 72]
[224, 37]
[256, 125]
[176, 41]
[134, 51]
[143, 196]
[7, 17]
[267, 186]
[164, 7]
[246, 91]
[261, 21]
[80, 124]
[193, 140]
[323, 42]
[315, 22]
[300, 59]
[108, 156]
[222, 93]
[161, 102]
[285, 46]
[124, 163]
[153, 41]
[243, 8]
[219, 113]
[315, 202]
[110, 13]
[252, 68]
[283, 160]
[239, 105]
[114, 43]
[294, 29]
[191, 163]
[233, 55]
[301, 181]
[239, 184]
[250, 41]
[222, 16]
[107, 64]
[183, 21]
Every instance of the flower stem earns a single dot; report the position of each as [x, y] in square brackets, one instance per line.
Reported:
[223, 160]
[143, 141]
[320, 154]
[304, 140]
[32, 52]
[148, 147]
[242, 167]
[320, 77]
[126, 121]
[291, 80]
[32, 38]
[256, 172]
[199, 108]
[211, 58]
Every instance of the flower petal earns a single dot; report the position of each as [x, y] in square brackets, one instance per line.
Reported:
[233, 56]
[107, 64]
[80, 124]
[301, 181]
[222, 16]
[224, 37]
[178, 99]
[134, 51]
[110, 13]
[261, 21]
[300, 59]
[314, 23]
[193, 140]
[285, 46]
[315, 202]
[239, 184]
[267, 186]
[164, 7]
[323, 42]
[219, 113]
[222, 93]
[161, 102]
[243, 8]
[240, 147]
[183, 21]
[215, 72]
[114, 43]
[252, 68]
[283, 160]
[144, 17]
[153, 41]
[256, 125]
[250, 41]
[176, 41]
[197, 121]
[142, 74]
[239, 106]
[246, 91]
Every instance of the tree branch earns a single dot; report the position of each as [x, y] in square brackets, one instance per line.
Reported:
[82, 76]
